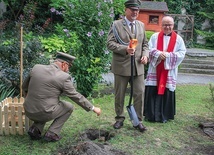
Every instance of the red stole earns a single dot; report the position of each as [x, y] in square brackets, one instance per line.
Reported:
[161, 72]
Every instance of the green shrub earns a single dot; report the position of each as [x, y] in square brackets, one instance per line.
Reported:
[53, 43]
[62, 40]
[149, 34]
[90, 20]
[5, 91]
[10, 59]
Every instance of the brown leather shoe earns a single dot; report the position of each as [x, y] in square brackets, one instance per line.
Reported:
[118, 124]
[34, 133]
[51, 137]
[141, 127]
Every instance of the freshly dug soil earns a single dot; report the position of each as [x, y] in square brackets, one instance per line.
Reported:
[92, 142]
[90, 148]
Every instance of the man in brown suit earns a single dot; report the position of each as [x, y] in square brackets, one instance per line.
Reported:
[118, 42]
[42, 89]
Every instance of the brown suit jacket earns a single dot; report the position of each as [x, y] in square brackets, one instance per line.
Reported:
[121, 61]
[43, 88]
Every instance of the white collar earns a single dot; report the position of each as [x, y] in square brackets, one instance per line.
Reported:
[128, 22]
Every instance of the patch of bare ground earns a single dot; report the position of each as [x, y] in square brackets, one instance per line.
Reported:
[95, 142]
[205, 128]
[92, 142]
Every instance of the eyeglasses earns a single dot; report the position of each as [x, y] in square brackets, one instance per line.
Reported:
[165, 25]
[133, 10]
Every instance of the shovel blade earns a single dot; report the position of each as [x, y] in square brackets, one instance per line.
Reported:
[133, 115]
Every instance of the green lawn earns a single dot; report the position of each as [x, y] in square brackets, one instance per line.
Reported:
[181, 136]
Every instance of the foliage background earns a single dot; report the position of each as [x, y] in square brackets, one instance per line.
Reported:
[90, 20]
[79, 28]
[202, 10]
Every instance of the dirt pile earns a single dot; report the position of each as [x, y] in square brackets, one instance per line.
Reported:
[208, 128]
[92, 142]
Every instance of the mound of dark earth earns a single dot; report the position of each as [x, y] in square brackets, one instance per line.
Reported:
[92, 142]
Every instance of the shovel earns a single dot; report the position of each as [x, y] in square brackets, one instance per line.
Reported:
[130, 108]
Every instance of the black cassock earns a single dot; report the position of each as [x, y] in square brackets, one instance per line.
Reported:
[159, 108]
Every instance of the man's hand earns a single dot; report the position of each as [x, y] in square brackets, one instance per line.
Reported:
[97, 111]
[144, 60]
[130, 50]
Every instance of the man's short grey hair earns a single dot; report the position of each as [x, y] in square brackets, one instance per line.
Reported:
[168, 17]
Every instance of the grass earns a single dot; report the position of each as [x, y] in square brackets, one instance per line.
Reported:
[180, 136]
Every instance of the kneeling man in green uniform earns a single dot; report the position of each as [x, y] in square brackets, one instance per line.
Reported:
[42, 89]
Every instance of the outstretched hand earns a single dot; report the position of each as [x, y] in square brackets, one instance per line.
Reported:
[97, 111]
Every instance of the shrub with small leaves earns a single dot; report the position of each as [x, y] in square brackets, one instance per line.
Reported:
[10, 59]
[91, 20]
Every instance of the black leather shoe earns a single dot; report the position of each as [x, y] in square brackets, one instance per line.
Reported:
[51, 137]
[141, 127]
[34, 133]
[118, 124]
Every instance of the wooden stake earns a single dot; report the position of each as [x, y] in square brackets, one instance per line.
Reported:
[21, 60]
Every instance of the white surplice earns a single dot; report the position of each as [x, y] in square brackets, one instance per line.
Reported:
[173, 60]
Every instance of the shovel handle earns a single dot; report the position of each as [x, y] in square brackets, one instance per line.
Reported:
[132, 78]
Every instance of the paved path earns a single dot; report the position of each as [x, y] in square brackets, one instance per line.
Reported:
[183, 78]
[187, 78]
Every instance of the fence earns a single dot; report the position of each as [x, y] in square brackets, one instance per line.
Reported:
[12, 117]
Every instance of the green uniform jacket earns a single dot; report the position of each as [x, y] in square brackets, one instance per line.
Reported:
[43, 87]
[118, 39]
